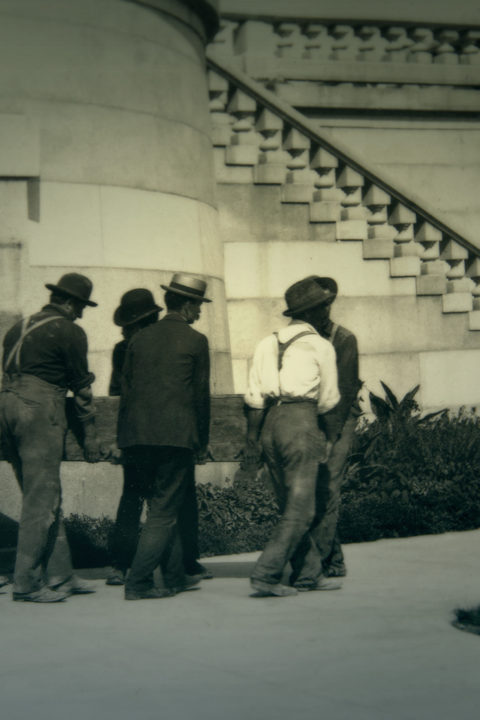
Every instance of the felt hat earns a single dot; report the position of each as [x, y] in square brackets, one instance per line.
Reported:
[135, 305]
[188, 286]
[328, 283]
[75, 286]
[306, 294]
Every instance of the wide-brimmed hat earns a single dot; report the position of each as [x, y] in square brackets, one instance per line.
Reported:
[306, 294]
[188, 286]
[75, 286]
[135, 305]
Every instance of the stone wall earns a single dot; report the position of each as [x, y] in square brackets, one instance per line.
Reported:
[104, 117]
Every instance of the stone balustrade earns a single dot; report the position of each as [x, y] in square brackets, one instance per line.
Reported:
[354, 52]
[257, 144]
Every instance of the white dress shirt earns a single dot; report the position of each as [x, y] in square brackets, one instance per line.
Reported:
[309, 369]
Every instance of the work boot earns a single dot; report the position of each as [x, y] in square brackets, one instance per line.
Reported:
[190, 583]
[322, 583]
[116, 577]
[44, 595]
[74, 586]
[149, 594]
[199, 570]
[264, 589]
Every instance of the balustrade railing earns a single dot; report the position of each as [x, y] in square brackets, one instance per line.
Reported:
[316, 50]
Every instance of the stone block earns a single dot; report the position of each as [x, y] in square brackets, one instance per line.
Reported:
[295, 140]
[20, 155]
[230, 174]
[474, 320]
[381, 232]
[350, 178]
[352, 230]
[241, 103]
[221, 135]
[324, 211]
[401, 215]
[454, 251]
[435, 267]
[460, 285]
[456, 269]
[429, 251]
[376, 215]
[457, 302]
[325, 232]
[355, 212]
[268, 121]
[241, 155]
[255, 36]
[376, 196]
[428, 233]
[269, 173]
[449, 378]
[473, 269]
[323, 159]
[431, 285]
[377, 249]
[411, 249]
[405, 266]
[296, 193]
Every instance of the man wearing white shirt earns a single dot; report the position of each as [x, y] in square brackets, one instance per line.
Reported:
[293, 379]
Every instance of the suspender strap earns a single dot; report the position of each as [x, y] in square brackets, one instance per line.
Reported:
[15, 351]
[282, 347]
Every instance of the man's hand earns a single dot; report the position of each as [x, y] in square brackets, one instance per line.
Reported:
[203, 454]
[92, 450]
[91, 445]
[250, 455]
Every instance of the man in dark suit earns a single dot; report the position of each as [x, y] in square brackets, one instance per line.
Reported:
[163, 425]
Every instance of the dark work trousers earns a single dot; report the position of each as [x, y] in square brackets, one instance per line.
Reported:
[328, 498]
[159, 544]
[293, 447]
[137, 487]
[33, 427]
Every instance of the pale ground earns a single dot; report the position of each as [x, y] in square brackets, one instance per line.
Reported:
[381, 648]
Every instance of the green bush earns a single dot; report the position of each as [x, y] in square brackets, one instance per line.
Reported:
[411, 475]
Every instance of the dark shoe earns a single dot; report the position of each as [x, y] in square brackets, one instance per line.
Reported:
[200, 571]
[468, 620]
[322, 583]
[44, 595]
[264, 589]
[74, 586]
[333, 571]
[150, 594]
[190, 583]
[3, 581]
[116, 577]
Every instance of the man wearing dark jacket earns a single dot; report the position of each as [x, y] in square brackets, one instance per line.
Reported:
[163, 424]
[44, 356]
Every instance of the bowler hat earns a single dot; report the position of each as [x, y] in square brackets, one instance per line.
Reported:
[75, 286]
[188, 286]
[329, 284]
[135, 305]
[306, 294]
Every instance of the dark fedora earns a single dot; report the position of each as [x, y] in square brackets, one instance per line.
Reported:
[75, 286]
[306, 294]
[188, 286]
[135, 305]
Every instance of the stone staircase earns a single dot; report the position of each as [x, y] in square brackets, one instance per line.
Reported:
[261, 140]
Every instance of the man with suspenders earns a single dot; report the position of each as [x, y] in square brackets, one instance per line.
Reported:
[292, 380]
[44, 356]
[340, 424]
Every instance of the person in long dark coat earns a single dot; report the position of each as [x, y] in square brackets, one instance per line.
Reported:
[163, 426]
[136, 311]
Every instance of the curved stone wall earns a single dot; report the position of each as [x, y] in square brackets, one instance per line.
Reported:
[109, 97]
